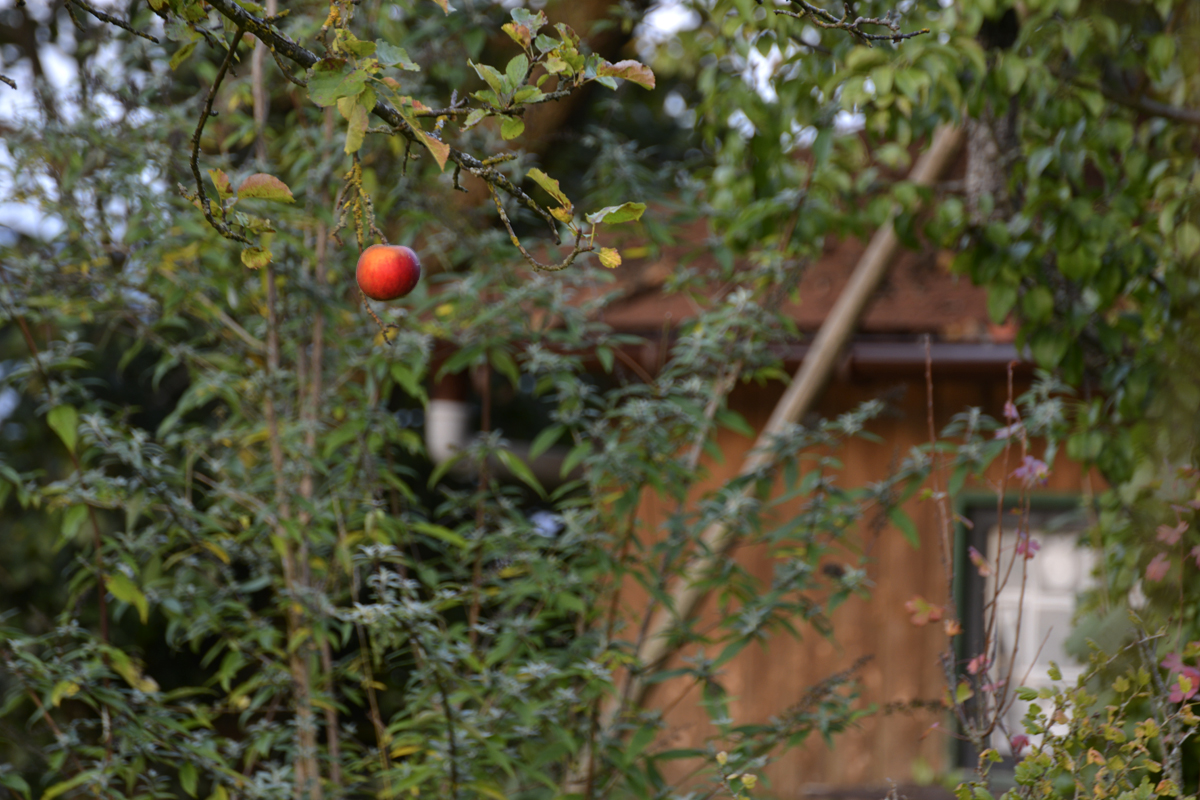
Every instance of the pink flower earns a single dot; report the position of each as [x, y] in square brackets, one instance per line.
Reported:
[1009, 430]
[1018, 743]
[1170, 535]
[979, 561]
[1010, 410]
[1196, 554]
[978, 664]
[1027, 547]
[1032, 472]
[1156, 570]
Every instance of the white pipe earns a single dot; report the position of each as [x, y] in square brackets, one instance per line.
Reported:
[445, 428]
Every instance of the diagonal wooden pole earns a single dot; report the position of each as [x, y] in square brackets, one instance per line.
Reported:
[800, 396]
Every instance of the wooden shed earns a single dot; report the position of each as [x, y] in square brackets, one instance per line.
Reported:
[918, 300]
[970, 360]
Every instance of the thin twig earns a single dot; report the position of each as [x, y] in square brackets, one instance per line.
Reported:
[205, 206]
[578, 247]
[825, 19]
[111, 20]
[481, 538]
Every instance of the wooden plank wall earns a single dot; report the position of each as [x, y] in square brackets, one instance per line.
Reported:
[764, 680]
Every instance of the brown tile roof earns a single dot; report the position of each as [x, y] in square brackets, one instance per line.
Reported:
[919, 294]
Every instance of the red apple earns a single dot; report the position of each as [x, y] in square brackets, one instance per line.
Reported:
[387, 271]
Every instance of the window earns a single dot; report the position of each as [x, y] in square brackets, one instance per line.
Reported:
[1027, 640]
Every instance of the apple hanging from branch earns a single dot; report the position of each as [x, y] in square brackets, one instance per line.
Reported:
[387, 271]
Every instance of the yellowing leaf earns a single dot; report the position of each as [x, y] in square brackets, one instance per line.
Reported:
[256, 257]
[440, 150]
[519, 34]
[266, 187]
[405, 750]
[216, 550]
[550, 185]
[221, 181]
[609, 257]
[124, 589]
[61, 690]
[182, 53]
[356, 127]
[629, 70]
[445, 6]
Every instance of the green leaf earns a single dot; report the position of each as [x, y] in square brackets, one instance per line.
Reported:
[545, 440]
[1038, 304]
[512, 127]
[520, 469]
[64, 420]
[533, 20]
[440, 532]
[1039, 160]
[1000, 301]
[187, 778]
[69, 784]
[1049, 347]
[1187, 239]
[578, 453]
[332, 78]
[409, 381]
[392, 56]
[14, 781]
[124, 589]
[441, 469]
[256, 257]
[265, 187]
[73, 520]
[516, 70]
[626, 212]
[181, 54]
[903, 522]
[1013, 70]
[474, 118]
[491, 76]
